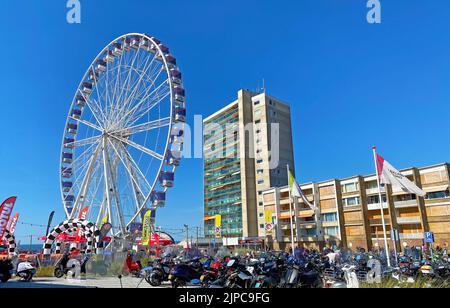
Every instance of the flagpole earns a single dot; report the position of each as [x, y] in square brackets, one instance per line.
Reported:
[290, 211]
[383, 221]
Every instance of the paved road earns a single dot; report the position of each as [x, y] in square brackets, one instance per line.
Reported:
[127, 282]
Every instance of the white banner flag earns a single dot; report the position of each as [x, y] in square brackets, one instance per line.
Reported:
[390, 175]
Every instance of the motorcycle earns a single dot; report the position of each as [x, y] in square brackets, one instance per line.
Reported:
[186, 273]
[158, 272]
[133, 267]
[25, 270]
[6, 268]
[68, 267]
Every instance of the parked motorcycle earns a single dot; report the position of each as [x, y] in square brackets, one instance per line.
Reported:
[6, 267]
[186, 273]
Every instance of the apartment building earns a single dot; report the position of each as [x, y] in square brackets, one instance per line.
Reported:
[349, 212]
[247, 146]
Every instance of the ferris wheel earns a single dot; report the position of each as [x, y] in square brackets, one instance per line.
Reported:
[124, 133]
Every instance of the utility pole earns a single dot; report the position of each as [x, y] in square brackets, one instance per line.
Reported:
[187, 235]
[196, 242]
[31, 243]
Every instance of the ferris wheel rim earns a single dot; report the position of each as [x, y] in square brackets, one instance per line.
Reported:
[155, 43]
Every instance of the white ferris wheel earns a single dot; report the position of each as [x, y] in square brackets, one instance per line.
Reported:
[124, 133]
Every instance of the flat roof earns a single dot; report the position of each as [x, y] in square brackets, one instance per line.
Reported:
[363, 176]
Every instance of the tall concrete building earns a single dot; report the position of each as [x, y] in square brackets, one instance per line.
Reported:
[247, 146]
[349, 212]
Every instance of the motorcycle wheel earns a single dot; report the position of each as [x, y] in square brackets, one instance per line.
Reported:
[28, 277]
[59, 273]
[154, 279]
[176, 283]
[135, 273]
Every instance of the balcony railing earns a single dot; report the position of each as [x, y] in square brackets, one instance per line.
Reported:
[372, 191]
[411, 236]
[379, 222]
[405, 204]
[408, 220]
[377, 206]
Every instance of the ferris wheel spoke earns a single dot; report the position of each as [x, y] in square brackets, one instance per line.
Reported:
[92, 108]
[139, 147]
[86, 180]
[132, 177]
[127, 81]
[134, 165]
[144, 127]
[87, 123]
[144, 99]
[80, 157]
[129, 100]
[147, 107]
[83, 142]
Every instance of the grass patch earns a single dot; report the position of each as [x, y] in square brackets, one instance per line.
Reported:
[418, 284]
[45, 272]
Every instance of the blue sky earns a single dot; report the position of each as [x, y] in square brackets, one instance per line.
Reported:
[350, 84]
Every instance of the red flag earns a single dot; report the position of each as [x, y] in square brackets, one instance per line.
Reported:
[83, 216]
[5, 214]
[13, 223]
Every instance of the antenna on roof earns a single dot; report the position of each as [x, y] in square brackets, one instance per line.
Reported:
[264, 86]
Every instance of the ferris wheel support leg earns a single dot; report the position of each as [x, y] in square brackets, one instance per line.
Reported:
[107, 189]
[111, 185]
[136, 189]
[79, 203]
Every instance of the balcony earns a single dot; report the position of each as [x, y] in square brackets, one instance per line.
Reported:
[306, 224]
[405, 204]
[377, 206]
[379, 222]
[374, 191]
[411, 236]
[409, 220]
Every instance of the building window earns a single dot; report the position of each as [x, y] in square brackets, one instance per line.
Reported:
[260, 171]
[259, 161]
[261, 226]
[350, 187]
[260, 182]
[375, 199]
[260, 193]
[438, 195]
[372, 185]
[261, 204]
[329, 217]
[258, 122]
[333, 231]
[351, 201]
[256, 103]
[261, 214]
[258, 131]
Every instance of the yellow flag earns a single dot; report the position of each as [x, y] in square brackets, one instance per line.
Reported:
[218, 229]
[146, 229]
[104, 221]
[268, 217]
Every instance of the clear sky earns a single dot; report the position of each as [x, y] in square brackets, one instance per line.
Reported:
[350, 84]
